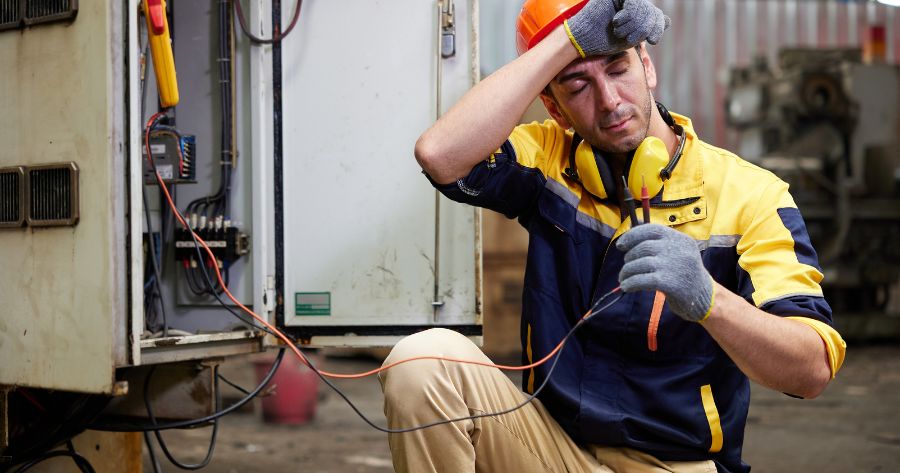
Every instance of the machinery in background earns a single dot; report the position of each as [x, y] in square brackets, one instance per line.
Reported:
[827, 123]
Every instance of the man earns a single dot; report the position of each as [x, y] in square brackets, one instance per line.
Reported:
[723, 286]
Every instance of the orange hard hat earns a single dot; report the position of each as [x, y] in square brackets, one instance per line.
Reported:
[538, 18]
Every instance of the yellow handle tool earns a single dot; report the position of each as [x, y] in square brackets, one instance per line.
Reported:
[161, 50]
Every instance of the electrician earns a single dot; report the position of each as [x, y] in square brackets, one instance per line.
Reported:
[723, 287]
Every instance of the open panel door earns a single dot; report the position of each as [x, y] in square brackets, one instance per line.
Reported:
[358, 242]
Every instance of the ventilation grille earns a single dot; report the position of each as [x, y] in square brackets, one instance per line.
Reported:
[12, 203]
[53, 195]
[10, 13]
[21, 13]
[48, 10]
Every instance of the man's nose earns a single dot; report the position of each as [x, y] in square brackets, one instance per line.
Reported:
[608, 97]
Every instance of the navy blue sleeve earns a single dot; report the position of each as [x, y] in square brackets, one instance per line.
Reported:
[814, 307]
[499, 183]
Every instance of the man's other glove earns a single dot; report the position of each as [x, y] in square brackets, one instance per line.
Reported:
[608, 26]
[658, 258]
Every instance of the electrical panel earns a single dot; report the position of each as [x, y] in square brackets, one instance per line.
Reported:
[292, 162]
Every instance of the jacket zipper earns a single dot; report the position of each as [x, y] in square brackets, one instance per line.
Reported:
[674, 203]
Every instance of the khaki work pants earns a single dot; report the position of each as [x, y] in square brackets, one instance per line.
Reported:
[524, 441]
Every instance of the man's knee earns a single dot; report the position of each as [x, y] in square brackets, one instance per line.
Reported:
[432, 342]
[410, 377]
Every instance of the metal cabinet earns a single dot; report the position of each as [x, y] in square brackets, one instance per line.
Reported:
[350, 244]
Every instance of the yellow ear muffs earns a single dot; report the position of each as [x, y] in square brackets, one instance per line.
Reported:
[650, 164]
[593, 172]
[650, 158]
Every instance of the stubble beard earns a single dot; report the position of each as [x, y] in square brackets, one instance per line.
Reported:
[628, 144]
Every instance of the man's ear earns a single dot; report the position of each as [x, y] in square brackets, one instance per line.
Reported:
[553, 109]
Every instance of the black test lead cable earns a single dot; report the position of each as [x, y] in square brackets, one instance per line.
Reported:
[629, 204]
[80, 461]
[528, 400]
[129, 427]
[161, 442]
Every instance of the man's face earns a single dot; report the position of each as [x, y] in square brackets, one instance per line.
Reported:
[606, 99]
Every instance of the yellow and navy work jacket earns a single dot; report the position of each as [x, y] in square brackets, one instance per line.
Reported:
[637, 375]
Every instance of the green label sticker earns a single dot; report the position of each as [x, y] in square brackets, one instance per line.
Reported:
[312, 303]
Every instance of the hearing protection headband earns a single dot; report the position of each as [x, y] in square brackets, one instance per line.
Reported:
[650, 163]
[666, 173]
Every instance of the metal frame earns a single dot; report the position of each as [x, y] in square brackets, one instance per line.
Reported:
[24, 21]
[22, 196]
[195, 347]
[73, 195]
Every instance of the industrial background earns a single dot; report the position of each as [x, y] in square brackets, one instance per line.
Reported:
[291, 156]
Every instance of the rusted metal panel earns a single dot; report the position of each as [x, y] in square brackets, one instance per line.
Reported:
[108, 452]
[177, 391]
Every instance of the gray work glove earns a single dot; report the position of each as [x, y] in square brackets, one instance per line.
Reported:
[659, 258]
[640, 20]
[608, 26]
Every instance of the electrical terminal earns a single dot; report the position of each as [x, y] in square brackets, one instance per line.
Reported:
[225, 239]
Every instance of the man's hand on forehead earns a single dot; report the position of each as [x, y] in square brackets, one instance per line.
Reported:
[602, 28]
[638, 21]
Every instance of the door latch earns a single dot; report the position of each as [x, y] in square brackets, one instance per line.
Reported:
[448, 29]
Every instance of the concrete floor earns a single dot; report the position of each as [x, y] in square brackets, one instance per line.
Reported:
[853, 427]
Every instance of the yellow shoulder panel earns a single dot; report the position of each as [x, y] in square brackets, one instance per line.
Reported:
[538, 145]
[767, 253]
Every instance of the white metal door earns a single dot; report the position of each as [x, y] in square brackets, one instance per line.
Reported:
[360, 83]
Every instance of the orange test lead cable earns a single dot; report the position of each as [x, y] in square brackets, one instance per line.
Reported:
[282, 336]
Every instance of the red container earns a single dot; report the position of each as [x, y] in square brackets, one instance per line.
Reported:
[295, 396]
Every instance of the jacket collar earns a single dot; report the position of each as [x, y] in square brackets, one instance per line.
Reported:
[687, 177]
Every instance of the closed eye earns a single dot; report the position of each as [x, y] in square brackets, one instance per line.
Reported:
[575, 86]
[617, 69]
[577, 90]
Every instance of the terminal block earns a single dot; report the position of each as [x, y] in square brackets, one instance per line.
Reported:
[226, 241]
